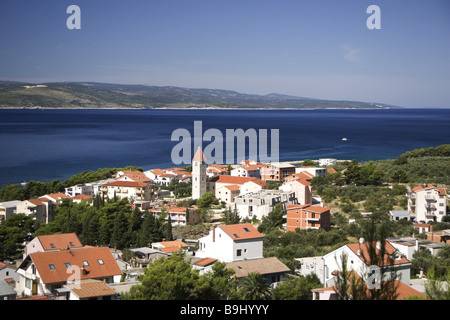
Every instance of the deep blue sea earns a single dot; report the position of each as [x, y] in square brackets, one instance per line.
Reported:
[44, 145]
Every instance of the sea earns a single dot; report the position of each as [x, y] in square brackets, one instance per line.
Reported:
[54, 144]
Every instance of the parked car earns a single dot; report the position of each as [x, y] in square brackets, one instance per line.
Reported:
[9, 261]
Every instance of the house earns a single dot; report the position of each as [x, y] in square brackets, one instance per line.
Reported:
[216, 169]
[272, 269]
[234, 242]
[132, 175]
[260, 204]
[55, 198]
[276, 171]
[396, 215]
[252, 171]
[7, 292]
[90, 289]
[409, 245]
[302, 175]
[130, 190]
[228, 193]
[46, 273]
[7, 209]
[306, 217]
[327, 162]
[358, 260]
[423, 227]
[302, 189]
[219, 181]
[252, 186]
[427, 203]
[9, 276]
[439, 236]
[178, 215]
[41, 209]
[202, 264]
[169, 247]
[53, 242]
[314, 171]
[402, 290]
[82, 198]
[86, 189]
[145, 255]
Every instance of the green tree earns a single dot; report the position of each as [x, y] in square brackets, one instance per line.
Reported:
[91, 227]
[296, 288]
[308, 163]
[254, 287]
[273, 220]
[435, 288]
[207, 200]
[120, 235]
[220, 283]
[170, 278]
[13, 233]
[230, 216]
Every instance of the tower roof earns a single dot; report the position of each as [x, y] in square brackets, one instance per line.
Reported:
[199, 155]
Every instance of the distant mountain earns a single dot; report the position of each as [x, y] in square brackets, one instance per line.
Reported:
[91, 95]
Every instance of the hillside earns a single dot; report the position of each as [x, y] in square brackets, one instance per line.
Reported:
[102, 95]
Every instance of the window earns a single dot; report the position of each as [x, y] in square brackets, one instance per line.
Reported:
[239, 252]
[100, 261]
[85, 263]
[246, 229]
[67, 264]
[52, 266]
[71, 243]
[52, 245]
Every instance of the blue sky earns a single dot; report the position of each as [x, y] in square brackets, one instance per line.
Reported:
[315, 48]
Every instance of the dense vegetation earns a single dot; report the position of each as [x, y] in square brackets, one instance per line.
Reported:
[35, 189]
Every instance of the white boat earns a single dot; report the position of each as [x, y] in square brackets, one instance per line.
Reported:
[344, 139]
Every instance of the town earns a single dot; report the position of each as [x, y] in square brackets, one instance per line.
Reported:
[251, 230]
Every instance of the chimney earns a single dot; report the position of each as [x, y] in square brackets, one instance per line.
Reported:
[361, 240]
[214, 233]
[417, 244]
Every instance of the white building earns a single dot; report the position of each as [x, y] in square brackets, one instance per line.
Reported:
[228, 243]
[302, 189]
[251, 171]
[358, 261]
[260, 204]
[46, 273]
[428, 203]
[316, 172]
[7, 209]
[327, 162]
[131, 190]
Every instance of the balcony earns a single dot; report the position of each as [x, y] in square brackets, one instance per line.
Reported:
[430, 207]
[430, 197]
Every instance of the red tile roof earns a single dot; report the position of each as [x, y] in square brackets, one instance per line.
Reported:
[243, 231]
[101, 264]
[205, 261]
[232, 179]
[199, 156]
[59, 241]
[130, 184]
[389, 249]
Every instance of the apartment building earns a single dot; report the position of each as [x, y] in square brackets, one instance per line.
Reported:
[428, 203]
[306, 217]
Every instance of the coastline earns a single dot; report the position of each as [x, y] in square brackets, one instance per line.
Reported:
[192, 108]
